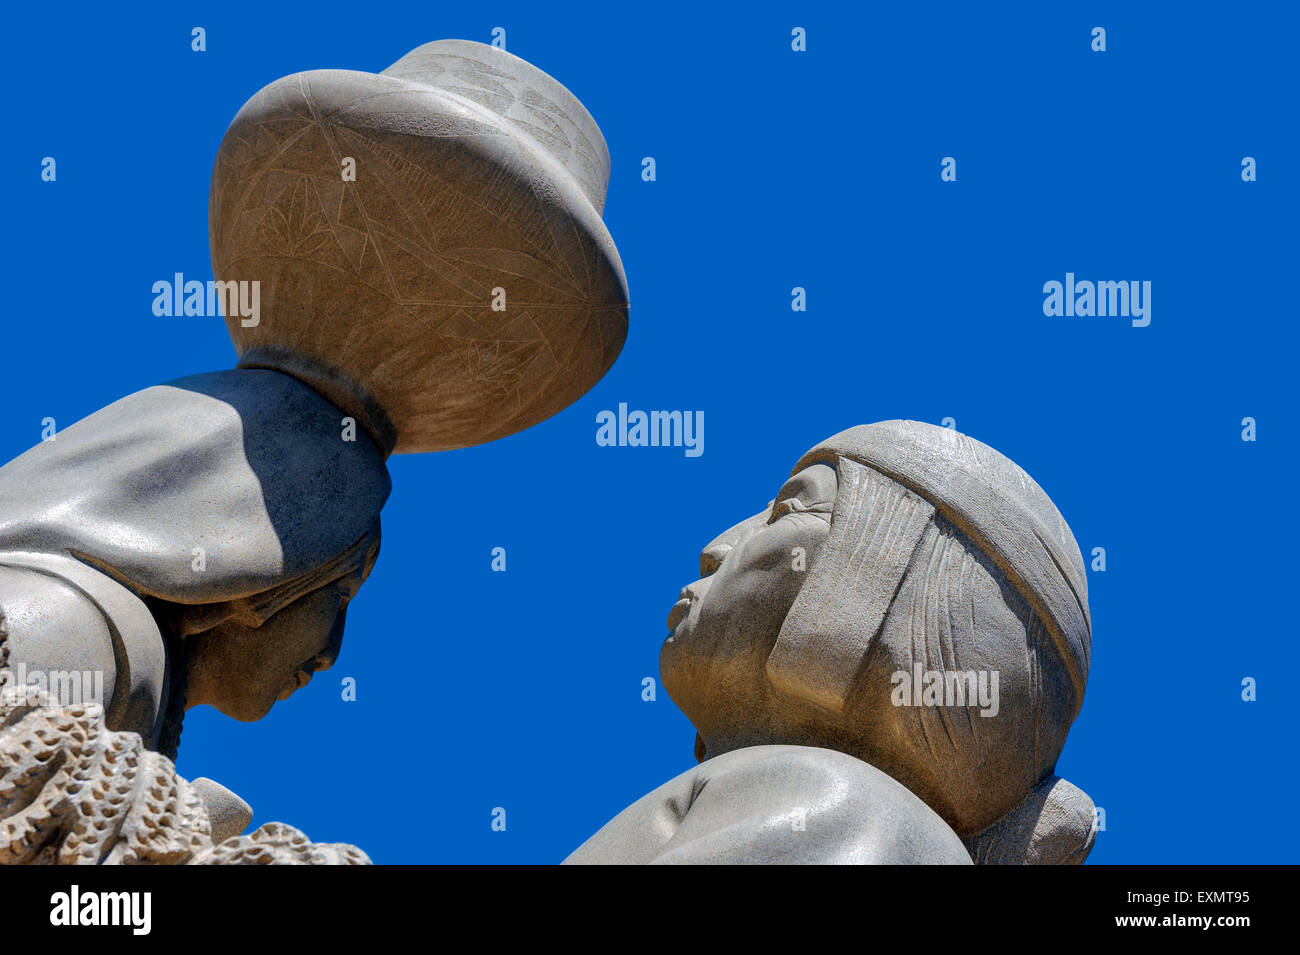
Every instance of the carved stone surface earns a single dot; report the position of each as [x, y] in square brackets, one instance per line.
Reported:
[199, 542]
[217, 521]
[73, 792]
[463, 286]
[910, 608]
[777, 804]
[228, 815]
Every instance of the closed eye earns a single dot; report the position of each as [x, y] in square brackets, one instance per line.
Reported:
[792, 505]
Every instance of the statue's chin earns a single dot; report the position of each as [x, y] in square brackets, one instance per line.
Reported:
[670, 655]
[245, 710]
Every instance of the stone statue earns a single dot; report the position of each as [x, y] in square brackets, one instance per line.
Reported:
[407, 261]
[882, 666]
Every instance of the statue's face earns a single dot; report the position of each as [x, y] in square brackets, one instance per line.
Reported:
[726, 623]
[968, 768]
[243, 671]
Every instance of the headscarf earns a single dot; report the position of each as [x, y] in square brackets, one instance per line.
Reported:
[877, 525]
[246, 474]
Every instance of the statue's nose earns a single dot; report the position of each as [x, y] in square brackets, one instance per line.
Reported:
[325, 659]
[711, 559]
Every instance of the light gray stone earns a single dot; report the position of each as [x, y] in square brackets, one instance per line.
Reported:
[463, 286]
[228, 815]
[910, 601]
[777, 805]
[199, 542]
[74, 792]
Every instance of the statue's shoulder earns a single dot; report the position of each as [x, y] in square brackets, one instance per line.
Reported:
[49, 623]
[67, 627]
[778, 804]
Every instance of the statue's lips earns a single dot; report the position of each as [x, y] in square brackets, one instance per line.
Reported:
[678, 613]
[301, 677]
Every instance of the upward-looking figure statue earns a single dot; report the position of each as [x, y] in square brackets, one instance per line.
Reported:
[882, 666]
[407, 261]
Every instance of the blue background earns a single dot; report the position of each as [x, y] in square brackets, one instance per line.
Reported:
[522, 690]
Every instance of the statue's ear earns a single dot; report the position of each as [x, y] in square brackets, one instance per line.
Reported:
[1054, 825]
[875, 528]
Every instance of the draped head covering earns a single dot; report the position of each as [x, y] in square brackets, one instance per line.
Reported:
[894, 476]
[209, 489]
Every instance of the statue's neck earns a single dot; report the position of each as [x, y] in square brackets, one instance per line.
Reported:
[167, 735]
